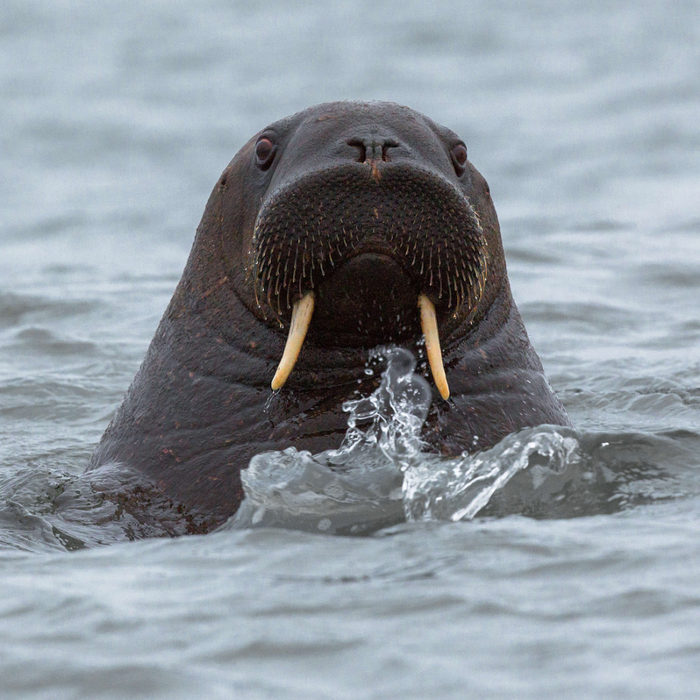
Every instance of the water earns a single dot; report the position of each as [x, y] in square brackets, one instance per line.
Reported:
[578, 578]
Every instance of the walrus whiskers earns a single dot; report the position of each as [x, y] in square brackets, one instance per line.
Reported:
[428, 322]
[301, 318]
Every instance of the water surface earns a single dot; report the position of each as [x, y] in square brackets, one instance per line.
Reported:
[116, 121]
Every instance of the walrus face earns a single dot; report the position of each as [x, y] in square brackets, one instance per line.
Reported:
[368, 229]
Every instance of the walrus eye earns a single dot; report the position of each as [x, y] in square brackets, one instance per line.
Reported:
[459, 157]
[264, 153]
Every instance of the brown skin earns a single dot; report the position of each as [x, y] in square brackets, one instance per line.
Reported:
[373, 183]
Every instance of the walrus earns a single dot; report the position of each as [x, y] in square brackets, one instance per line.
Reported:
[344, 227]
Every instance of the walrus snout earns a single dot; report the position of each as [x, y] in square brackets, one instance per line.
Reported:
[311, 226]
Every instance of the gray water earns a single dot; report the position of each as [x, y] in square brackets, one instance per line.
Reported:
[580, 576]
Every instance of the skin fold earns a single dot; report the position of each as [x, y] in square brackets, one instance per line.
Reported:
[366, 206]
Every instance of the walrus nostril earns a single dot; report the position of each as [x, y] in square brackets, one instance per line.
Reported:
[388, 144]
[362, 151]
[372, 149]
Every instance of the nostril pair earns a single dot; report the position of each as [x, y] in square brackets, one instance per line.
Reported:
[371, 149]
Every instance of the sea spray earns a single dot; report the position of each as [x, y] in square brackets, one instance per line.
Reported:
[382, 474]
[356, 488]
[458, 489]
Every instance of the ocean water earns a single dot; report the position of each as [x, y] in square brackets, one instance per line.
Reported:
[561, 563]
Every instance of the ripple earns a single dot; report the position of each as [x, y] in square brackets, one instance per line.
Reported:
[41, 341]
[19, 309]
[582, 317]
[679, 275]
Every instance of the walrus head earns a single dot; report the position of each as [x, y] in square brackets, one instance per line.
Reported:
[343, 227]
[372, 228]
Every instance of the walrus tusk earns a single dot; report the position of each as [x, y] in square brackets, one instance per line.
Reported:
[428, 323]
[301, 318]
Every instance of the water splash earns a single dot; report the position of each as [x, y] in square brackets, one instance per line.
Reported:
[358, 487]
[392, 416]
[382, 475]
[459, 489]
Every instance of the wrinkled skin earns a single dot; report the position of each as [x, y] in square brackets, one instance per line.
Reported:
[201, 405]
